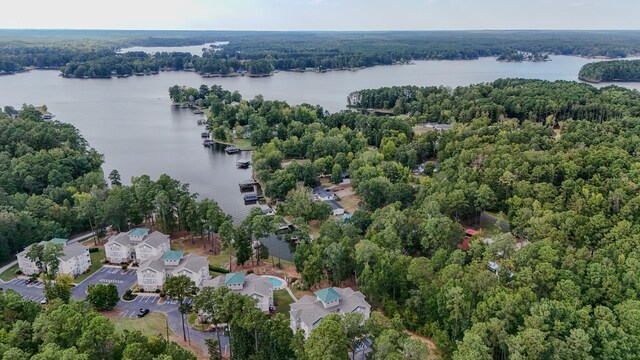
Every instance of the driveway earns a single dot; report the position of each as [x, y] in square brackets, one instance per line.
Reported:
[123, 280]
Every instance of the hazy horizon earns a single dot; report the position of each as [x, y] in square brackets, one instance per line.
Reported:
[325, 15]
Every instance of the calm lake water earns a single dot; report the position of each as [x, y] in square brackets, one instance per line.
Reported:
[131, 120]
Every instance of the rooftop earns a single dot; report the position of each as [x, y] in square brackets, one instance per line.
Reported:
[234, 278]
[173, 255]
[138, 232]
[327, 295]
[320, 191]
[334, 204]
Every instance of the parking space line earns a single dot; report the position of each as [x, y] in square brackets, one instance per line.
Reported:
[124, 313]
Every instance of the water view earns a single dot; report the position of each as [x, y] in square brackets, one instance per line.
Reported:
[131, 120]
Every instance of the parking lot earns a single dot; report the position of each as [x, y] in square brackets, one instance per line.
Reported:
[122, 279]
[33, 291]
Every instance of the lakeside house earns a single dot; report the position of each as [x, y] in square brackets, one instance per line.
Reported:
[308, 311]
[153, 272]
[74, 261]
[321, 194]
[257, 287]
[135, 245]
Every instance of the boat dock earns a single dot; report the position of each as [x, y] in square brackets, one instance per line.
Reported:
[205, 135]
[250, 198]
[243, 164]
[231, 149]
[247, 185]
[207, 142]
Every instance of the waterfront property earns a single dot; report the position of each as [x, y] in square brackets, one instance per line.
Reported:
[74, 261]
[154, 271]
[308, 311]
[136, 245]
[257, 287]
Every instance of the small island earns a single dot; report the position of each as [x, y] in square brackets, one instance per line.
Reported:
[616, 70]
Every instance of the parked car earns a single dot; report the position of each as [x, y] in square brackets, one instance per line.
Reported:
[143, 312]
[43, 301]
[31, 280]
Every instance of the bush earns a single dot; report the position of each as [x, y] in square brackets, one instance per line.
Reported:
[163, 294]
[157, 291]
[125, 267]
[18, 272]
[218, 269]
[94, 250]
[129, 295]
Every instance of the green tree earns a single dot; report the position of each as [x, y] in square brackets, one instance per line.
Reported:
[327, 341]
[179, 287]
[103, 296]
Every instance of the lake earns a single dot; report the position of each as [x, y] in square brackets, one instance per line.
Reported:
[131, 120]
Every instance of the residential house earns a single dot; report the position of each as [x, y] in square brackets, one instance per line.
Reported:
[136, 245]
[257, 287]
[308, 311]
[320, 194]
[336, 209]
[153, 272]
[74, 261]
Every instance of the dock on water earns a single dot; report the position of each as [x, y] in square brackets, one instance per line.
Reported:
[243, 164]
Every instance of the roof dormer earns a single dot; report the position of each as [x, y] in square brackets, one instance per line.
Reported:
[172, 258]
[329, 297]
[138, 234]
[234, 281]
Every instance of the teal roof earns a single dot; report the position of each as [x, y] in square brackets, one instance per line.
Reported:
[173, 255]
[234, 278]
[138, 232]
[327, 295]
[58, 241]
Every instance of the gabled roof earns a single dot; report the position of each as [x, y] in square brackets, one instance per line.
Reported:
[471, 232]
[173, 255]
[234, 278]
[334, 204]
[156, 239]
[138, 232]
[73, 250]
[320, 191]
[58, 241]
[327, 295]
[120, 238]
[309, 309]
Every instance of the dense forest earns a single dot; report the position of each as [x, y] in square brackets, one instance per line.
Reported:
[558, 159]
[73, 331]
[537, 100]
[93, 53]
[617, 70]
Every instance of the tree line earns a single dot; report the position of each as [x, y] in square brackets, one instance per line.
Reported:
[617, 70]
[92, 53]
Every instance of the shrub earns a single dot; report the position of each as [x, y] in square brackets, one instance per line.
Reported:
[163, 294]
[18, 272]
[157, 291]
[218, 269]
[129, 295]
[94, 250]
[125, 267]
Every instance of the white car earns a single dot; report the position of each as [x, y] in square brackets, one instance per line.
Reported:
[43, 301]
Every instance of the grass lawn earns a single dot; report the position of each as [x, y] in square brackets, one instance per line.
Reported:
[96, 264]
[282, 300]
[243, 144]
[275, 260]
[220, 260]
[10, 273]
[151, 325]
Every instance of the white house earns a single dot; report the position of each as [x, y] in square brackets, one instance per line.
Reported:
[257, 287]
[75, 260]
[320, 194]
[336, 209]
[308, 311]
[137, 245]
[154, 271]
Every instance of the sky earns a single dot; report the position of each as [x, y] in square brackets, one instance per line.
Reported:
[321, 14]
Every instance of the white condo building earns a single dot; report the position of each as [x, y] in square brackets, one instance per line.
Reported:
[308, 311]
[75, 260]
[136, 245]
